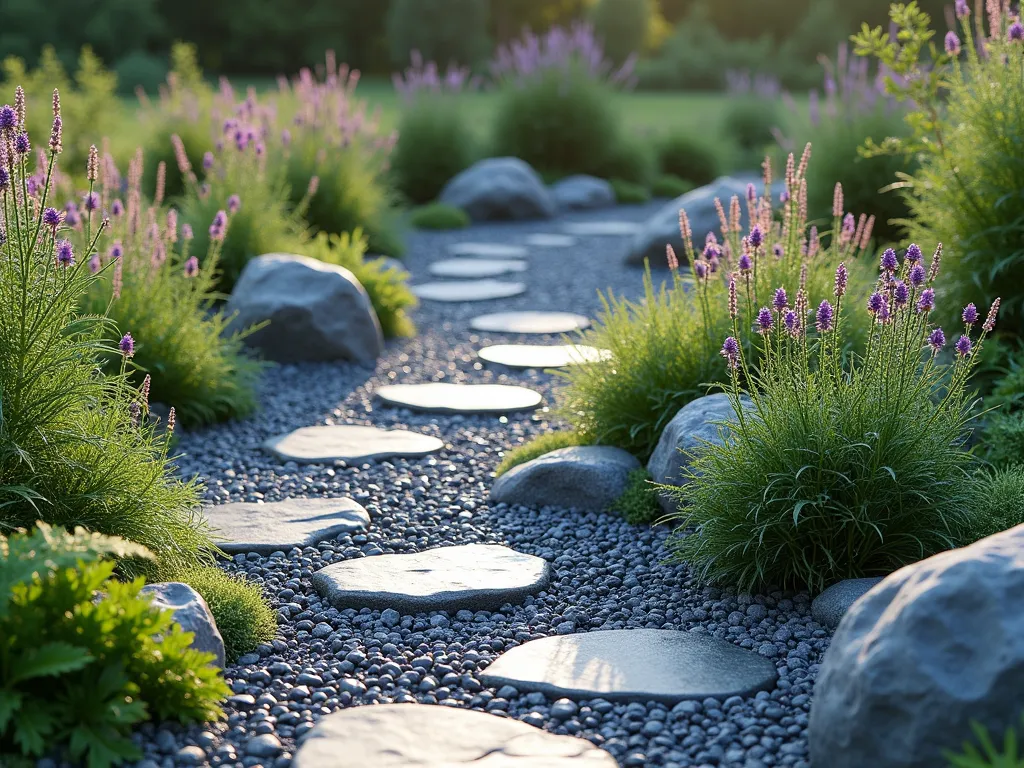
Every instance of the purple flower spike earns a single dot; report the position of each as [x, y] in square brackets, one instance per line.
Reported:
[781, 301]
[731, 351]
[952, 44]
[936, 340]
[52, 218]
[21, 144]
[116, 208]
[127, 345]
[1016, 32]
[208, 161]
[234, 203]
[917, 275]
[823, 317]
[875, 303]
[970, 314]
[778, 251]
[963, 346]
[889, 261]
[900, 294]
[65, 253]
[712, 251]
[94, 263]
[751, 192]
[784, 197]
[91, 201]
[186, 232]
[191, 266]
[962, 11]
[8, 117]
[745, 263]
[116, 251]
[913, 253]
[927, 301]
[5, 179]
[700, 269]
[756, 237]
[842, 276]
[217, 227]
[792, 322]
[764, 320]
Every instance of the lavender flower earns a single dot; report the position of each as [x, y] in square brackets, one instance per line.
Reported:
[700, 269]
[8, 118]
[784, 197]
[94, 263]
[5, 179]
[778, 251]
[917, 275]
[764, 321]
[52, 218]
[936, 340]
[218, 226]
[751, 193]
[731, 352]
[875, 303]
[91, 201]
[186, 232]
[952, 44]
[117, 208]
[56, 135]
[927, 301]
[116, 251]
[745, 263]
[92, 165]
[756, 237]
[732, 297]
[849, 228]
[234, 203]
[889, 261]
[837, 201]
[21, 144]
[823, 318]
[780, 301]
[962, 11]
[883, 314]
[127, 345]
[933, 269]
[1015, 33]
[65, 253]
[990, 321]
[970, 314]
[842, 277]
[208, 161]
[913, 253]
[792, 322]
[191, 266]
[963, 346]
[900, 294]
[671, 258]
[711, 250]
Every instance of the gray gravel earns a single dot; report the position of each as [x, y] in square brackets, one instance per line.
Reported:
[607, 574]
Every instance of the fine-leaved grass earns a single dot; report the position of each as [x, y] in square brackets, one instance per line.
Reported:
[537, 447]
[639, 503]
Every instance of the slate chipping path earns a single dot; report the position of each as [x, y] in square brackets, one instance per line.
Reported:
[606, 574]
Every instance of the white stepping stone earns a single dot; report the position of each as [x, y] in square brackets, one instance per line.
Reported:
[282, 525]
[603, 228]
[456, 291]
[488, 250]
[529, 322]
[479, 577]
[431, 736]
[540, 356]
[438, 397]
[633, 665]
[350, 443]
[476, 268]
[546, 240]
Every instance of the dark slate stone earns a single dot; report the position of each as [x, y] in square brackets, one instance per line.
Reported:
[473, 576]
[282, 525]
[438, 397]
[831, 605]
[500, 188]
[191, 612]
[351, 443]
[633, 665]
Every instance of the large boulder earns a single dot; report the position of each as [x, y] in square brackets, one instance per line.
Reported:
[581, 192]
[316, 311]
[696, 423]
[934, 646]
[191, 612]
[584, 477]
[500, 188]
[663, 227]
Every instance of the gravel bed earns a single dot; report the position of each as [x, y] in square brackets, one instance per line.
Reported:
[607, 574]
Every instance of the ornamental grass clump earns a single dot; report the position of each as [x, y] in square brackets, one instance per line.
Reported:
[847, 465]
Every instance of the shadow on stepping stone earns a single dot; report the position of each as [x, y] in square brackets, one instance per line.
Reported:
[457, 291]
[633, 665]
[434, 736]
[350, 443]
[282, 525]
[603, 228]
[476, 268]
[479, 577]
[439, 397]
[525, 356]
[544, 240]
[488, 250]
[529, 322]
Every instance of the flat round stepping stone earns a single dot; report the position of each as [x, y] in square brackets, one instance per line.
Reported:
[432, 736]
[488, 250]
[468, 290]
[350, 443]
[476, 268]
[529, 322]
[633, 665]
[438, 397]
[546, 240]
[603, 228]
[282, 525]
[480, 577]
[541, 356]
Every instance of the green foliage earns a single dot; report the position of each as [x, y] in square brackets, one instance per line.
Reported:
[965, 119]
[748, 122]
[439, 216]
[386, 284]
[441, 30]
[997, 501]
[629, 159]
[989, 756]
[668, 185]
[639, 504]
[79, 672]
[72, 451]
[140, 70]
[622, 26]
[689, 157]
[434, 144]
[244, 617]
[628, 193]
[537, 447]
[1003, 438]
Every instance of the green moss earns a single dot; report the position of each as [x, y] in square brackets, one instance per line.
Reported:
[538, 447]
[639, 504]
[439, 216]
[628, 193]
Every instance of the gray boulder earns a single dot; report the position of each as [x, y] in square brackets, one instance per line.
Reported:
[663, 227]
[584, 477]
[694, 424]
[580, 193]
[832, 604]
[936, 645]
[191, 612]
[316, 311]
[500, 188]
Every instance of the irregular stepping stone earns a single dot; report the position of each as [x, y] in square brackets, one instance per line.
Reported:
[831, 605]
[426, 736]
[488, 250]
[191, 612]
[582, 477]
[468, 290]
[602, 228]
[545, 240]
[282, 525]
[540, 356]
[479, 577]
[350, 443]
[437, 397]
[633, 665]
[476, 268]
[529, 322]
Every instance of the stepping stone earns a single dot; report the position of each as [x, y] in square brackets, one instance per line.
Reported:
[439, 397]
[488, 250]
[545, 240]
[831, 605]
[282, 525]
[479, 577]
[529, 322]
[476, 268]
[468, 290]
[350, 443]
[540, 356]
[603, 228]
[632, 665]
[432, 736]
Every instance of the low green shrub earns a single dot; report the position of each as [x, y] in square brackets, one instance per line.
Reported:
[85, 656]
[989, 756]
[997, 501]
[435, 144]
[244, 617]
[537, 447]
[630, 159]
[749, 121]
[140, 70]
[1002, 441]
[668, 185]
[439, 216]
[689, 157]
[639, 504]
[628, 193]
